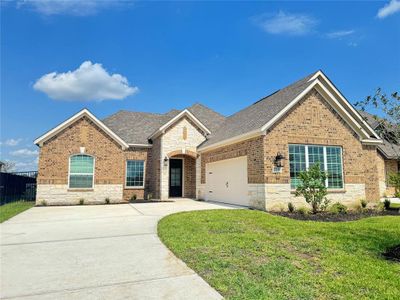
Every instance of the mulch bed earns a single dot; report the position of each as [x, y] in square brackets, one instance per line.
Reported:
[393, 253]
[331, 217]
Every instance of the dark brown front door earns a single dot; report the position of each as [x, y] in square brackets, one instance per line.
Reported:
[175, 177]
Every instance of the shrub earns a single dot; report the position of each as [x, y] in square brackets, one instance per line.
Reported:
[134, 197]
[149, 196]
[338, 208]
[394, 179]
[43, 203]
[363, 203]
[291, 207]
[107, 200]
[81, 201]
[386, 204]
[302, 210]
[313, 189]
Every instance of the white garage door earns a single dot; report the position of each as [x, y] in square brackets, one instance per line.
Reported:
[226, 181]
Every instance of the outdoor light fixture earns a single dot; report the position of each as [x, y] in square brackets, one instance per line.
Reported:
[166, 161]
[278, 162]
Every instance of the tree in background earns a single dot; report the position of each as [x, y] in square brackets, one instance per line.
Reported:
[7, 166]
[388, 109]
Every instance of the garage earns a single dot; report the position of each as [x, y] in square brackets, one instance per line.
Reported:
[226, 181]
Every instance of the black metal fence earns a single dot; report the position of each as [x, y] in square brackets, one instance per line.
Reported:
[17, 186]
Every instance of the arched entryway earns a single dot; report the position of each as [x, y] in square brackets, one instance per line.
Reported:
[182, 174]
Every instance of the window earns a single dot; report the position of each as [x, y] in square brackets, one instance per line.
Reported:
[135, 173]
[301, 157]
[81, 171]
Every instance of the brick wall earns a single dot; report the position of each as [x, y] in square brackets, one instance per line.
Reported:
[109, 173]
[303, 126]
[311, 121]
[139, 154]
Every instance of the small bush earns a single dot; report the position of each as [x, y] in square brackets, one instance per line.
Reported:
[134, 197]
[291, 207]
[302, 210]
[149, 196]
[43, 203]
[81, 201]
[107, 200]
[312, 188]
[363, 203]
[386, 204]
[338, 208]
[394, 180]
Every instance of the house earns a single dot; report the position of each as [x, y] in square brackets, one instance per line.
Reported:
[251, 158]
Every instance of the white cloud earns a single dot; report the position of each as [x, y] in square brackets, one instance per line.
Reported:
[88, 82]
[71, 7]
[12, 142]
[286, 23]
[26, 165]
[389, 9]
[24, 152]
[339, 34]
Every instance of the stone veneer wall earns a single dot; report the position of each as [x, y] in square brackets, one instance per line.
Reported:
[311, 121]
[173, 140]
[58, 194]
[109, 173]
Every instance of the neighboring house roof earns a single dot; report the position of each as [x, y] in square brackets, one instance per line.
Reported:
[137, 127]
[388, 149]
[84, 112]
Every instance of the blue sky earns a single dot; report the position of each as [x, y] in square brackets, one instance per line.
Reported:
[57, 58]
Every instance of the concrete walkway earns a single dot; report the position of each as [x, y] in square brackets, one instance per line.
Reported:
[96, 252]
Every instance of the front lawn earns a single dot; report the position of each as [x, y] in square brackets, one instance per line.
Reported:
[10, 210]
[248, 254]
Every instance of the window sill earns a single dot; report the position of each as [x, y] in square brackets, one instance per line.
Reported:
[134, 187]
[333, 191]
[80, 190]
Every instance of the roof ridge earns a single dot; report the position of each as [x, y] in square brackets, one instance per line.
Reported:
[291, 85]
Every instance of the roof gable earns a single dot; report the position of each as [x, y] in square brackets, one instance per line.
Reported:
[257, 118]
[184, 113]
[84, 112]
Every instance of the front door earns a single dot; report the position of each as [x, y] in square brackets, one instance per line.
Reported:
[175, 177]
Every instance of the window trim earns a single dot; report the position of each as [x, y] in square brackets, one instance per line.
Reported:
[332, 189]
[69, 172]
[126, 175]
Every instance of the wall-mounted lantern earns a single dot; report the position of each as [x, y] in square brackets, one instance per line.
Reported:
[278, 162]
[165, 161]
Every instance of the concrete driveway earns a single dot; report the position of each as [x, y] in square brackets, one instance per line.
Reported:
[96, 252]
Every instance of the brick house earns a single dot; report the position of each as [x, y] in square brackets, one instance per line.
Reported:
[251, 158]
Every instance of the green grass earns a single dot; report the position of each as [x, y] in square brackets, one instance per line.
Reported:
[254, 255]
[395, 205]
[10, 210]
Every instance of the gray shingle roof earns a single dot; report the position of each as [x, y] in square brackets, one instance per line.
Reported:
[255, 116]
[136, 127]
[390, 150]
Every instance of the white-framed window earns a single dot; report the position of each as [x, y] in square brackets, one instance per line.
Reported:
[301, 157]
[81, 171]
[135, 173]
